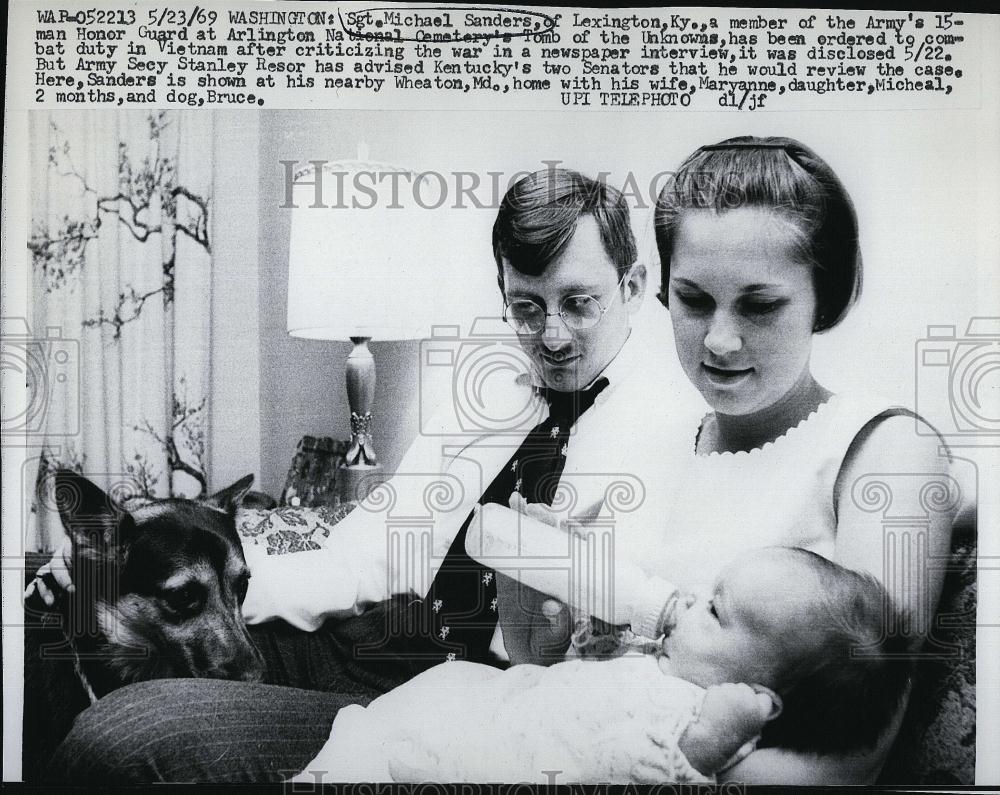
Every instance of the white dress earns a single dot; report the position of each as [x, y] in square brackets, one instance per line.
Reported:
[719, 505]
[711, 508]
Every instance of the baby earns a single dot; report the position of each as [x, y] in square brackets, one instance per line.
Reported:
[784, 620]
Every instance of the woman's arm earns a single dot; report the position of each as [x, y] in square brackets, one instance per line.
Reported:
[779, 766]
[896, 502]
[889, 472]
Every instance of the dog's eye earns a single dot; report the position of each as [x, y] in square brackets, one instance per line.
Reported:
[186, 600]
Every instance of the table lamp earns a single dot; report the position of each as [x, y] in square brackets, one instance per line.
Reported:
[365, 262]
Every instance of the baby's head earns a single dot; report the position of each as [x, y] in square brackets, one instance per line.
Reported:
[809, 629]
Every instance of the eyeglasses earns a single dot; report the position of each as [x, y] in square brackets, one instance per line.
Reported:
[578, 312]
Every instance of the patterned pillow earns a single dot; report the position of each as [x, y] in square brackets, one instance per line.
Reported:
[288, 529]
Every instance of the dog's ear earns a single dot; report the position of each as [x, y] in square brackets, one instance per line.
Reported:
[94, 522]
[229, 498]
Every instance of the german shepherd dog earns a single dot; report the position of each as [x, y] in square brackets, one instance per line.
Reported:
[158, 594]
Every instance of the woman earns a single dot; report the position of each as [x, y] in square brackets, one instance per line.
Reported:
[758, 244]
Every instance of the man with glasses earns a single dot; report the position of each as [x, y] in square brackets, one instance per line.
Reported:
[566, 260]
[391, 602]
[567, 269]
[570, 283]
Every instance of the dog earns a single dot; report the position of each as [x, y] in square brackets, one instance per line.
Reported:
[158, 591]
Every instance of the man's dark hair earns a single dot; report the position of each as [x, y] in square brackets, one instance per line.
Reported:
[844, 696]
[538, 216]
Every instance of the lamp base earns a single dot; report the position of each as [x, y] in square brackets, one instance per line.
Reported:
[360, 372]
[354, 482]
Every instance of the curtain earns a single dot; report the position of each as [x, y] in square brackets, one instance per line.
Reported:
[121, 274]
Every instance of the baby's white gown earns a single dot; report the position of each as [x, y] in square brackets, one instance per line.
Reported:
[615, 721]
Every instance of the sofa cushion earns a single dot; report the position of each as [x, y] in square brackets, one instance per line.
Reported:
[288, 529]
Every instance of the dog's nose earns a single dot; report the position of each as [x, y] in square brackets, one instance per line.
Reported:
[245, 668]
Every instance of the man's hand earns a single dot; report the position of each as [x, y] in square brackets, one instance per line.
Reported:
[731, 716]
[54, 578]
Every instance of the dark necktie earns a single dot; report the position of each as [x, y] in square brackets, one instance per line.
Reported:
[462, 602]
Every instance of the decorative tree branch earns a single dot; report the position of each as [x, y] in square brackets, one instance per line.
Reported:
[185, 436]
[195, 226]
[130, 304]
[142, 476]
[147, 189]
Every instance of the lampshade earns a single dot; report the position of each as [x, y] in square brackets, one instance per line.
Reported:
[373, 259]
